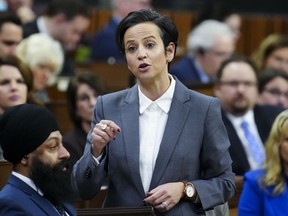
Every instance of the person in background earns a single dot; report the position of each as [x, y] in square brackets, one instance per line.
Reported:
[82, 93]
[219, 11]
[247, 123]
[16, 82]
[273, 88]
[11, 33]
[159, 143]
[272, 53]
[103, 43]
[40, 180]
[66, 21]
[208, 44]
[22, 8]
[265, 190]
[45, 57]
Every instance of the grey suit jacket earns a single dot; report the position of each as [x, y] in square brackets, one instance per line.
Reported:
[194, 148]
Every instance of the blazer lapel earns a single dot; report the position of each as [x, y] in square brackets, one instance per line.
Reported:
[130, 131]
[172, 131]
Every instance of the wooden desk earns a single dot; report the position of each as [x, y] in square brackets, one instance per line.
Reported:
[5, 170]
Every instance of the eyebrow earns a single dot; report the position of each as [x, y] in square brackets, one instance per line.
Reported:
[145, 38]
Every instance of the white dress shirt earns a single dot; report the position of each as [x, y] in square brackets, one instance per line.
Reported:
[152, 122]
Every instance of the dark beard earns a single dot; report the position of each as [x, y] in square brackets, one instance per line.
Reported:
[52, 180]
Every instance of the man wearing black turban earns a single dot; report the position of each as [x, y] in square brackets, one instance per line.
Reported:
[40, 180]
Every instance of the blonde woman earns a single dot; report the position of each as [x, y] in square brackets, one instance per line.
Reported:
[265, 191]
[44, 56]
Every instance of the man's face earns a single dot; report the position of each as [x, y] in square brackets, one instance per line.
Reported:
[10, 37]
[49, 169]
[237, 89]
[70, 32]
[211, 60]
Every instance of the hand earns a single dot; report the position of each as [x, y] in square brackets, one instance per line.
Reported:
[166, 196]
[103, 132]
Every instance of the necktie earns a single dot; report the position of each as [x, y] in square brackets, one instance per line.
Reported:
[254, 145]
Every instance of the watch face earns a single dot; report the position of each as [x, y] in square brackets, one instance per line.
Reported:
[189, 191]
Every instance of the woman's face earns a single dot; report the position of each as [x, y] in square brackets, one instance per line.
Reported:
[278, 60]
[145, 53]
[85, 102]
[275, 92]
[13, 89]
[41, 75]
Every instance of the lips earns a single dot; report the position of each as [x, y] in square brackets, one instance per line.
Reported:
[144, 67]
[14, 97]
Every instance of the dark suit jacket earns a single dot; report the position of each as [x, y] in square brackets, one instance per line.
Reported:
[103, 44]
[194, 148]
[68, 65]
[18, 198]
[264, 118]
[185, 70]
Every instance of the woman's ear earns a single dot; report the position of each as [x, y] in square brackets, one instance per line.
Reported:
[170, 50]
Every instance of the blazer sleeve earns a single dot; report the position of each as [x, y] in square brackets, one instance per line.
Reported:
[87, 173]
[217, 182]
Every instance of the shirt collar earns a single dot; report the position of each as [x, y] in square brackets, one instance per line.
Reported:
[41, 25]
[28, 181]
[248, 117]
[164, 102]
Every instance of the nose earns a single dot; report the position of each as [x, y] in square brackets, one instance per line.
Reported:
[141, 53]
[93, 101]
[63, 153]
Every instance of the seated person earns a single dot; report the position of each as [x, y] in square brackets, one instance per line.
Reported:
[40, 181]
[272, 53]
[273, 88]
[45, 57]
[247, 123]
[209, 44]
[82, 93]
[265, 190]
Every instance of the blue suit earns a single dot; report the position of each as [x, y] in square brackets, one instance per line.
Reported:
[186, 71]
[254, 201]
[194, 148]
[103, 44]
[18, 198]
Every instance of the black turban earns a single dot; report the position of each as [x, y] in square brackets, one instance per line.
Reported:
[24, 128]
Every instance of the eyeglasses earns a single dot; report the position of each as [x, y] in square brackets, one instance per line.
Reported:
[235, 84]
[276, 92]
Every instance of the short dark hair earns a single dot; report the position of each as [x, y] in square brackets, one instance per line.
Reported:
[89, 78]
[6, 17]
[267, 75]
[235, 58]
[168, 30]
[70, 8]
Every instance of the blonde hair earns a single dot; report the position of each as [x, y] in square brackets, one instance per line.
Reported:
[274, 169]
[40, 49]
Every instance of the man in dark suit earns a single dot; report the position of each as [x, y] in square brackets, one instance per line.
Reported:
[237, 90]
[40, 181]
[65, 21]
[103, 44]
[209, 44]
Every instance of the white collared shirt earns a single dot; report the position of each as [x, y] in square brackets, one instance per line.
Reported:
[236, 122]
[152, 122]
[28, 181]
[41, 25]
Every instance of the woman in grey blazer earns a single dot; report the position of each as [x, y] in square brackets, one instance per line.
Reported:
[159, 143]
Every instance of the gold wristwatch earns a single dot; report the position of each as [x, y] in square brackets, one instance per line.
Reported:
[189, 192]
